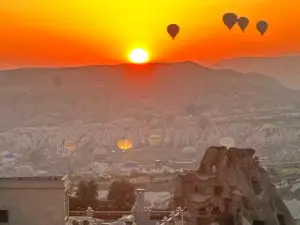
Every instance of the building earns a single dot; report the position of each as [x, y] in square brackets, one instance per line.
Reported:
[34, 200]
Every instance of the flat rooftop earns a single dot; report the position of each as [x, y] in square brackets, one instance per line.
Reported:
[34, 182]
[35, 178]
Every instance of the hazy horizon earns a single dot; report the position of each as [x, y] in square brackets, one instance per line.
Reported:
[205, 64]
[103, 33]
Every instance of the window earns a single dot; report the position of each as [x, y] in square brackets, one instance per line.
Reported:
[218, 190]
[256, 187]
[281, 219]
[3, 216]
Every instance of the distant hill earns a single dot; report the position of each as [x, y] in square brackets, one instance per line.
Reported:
[285, 68]
[97, 93]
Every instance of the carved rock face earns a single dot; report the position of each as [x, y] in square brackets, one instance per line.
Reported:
[212, 157]
[248, 197]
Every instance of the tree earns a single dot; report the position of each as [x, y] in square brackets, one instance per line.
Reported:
[191, 110]
[121, 193]
[86, 195]
[75, 222]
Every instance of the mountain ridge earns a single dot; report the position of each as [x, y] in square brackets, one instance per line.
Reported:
[146, 68]
[98, 92]
[284, 68]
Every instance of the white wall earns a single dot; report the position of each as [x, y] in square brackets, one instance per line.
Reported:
[33, 202]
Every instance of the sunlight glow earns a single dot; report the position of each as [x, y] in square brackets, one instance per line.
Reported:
[138, 56]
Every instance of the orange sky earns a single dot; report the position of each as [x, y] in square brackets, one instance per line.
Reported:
[80, 32]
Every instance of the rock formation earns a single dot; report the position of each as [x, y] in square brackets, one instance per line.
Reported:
[230, 188]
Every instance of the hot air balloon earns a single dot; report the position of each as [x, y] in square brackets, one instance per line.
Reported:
[9, 157]
[67, 149]
[203, 122]
[269, 129]
[154, 140]
[71, 146]
[57, 81]
[64, 152]
[191, 109]
[230, 20]
[25, 171]
[268, 126]
[189, 150]
[36, 156]
[262, 27]
[243, 23]
[173, 30]
[99, 154]
[228, 142]
[124, 144]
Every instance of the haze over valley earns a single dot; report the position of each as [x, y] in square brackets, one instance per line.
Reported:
[185, 103]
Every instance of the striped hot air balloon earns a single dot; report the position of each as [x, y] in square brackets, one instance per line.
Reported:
[68, 149]
[64, 152]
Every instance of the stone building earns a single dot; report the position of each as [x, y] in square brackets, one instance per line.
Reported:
[33, 200]
[230, 188]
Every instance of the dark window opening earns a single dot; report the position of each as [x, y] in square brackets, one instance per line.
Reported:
[3, 216]
[226, 219]
[218, 190]
[202, 210]
[256, 187]
[258, 222]
[281, 219]
[203, 221]
[227, 202]
[216, 211]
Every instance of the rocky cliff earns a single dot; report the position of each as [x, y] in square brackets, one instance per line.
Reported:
[230, 187]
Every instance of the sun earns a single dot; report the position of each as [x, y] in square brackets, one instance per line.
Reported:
[139, 56]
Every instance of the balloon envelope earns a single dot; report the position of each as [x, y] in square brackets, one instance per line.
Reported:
[125, 144]
[243, 23]
[203, 122]
[230, 20]
[57, 82]
[228, 142]
[70, 145]
[173, 30]
[262, 27]
[64, 152]
[154, 140]
[189, 150]
[25, 170]
[268, 126]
